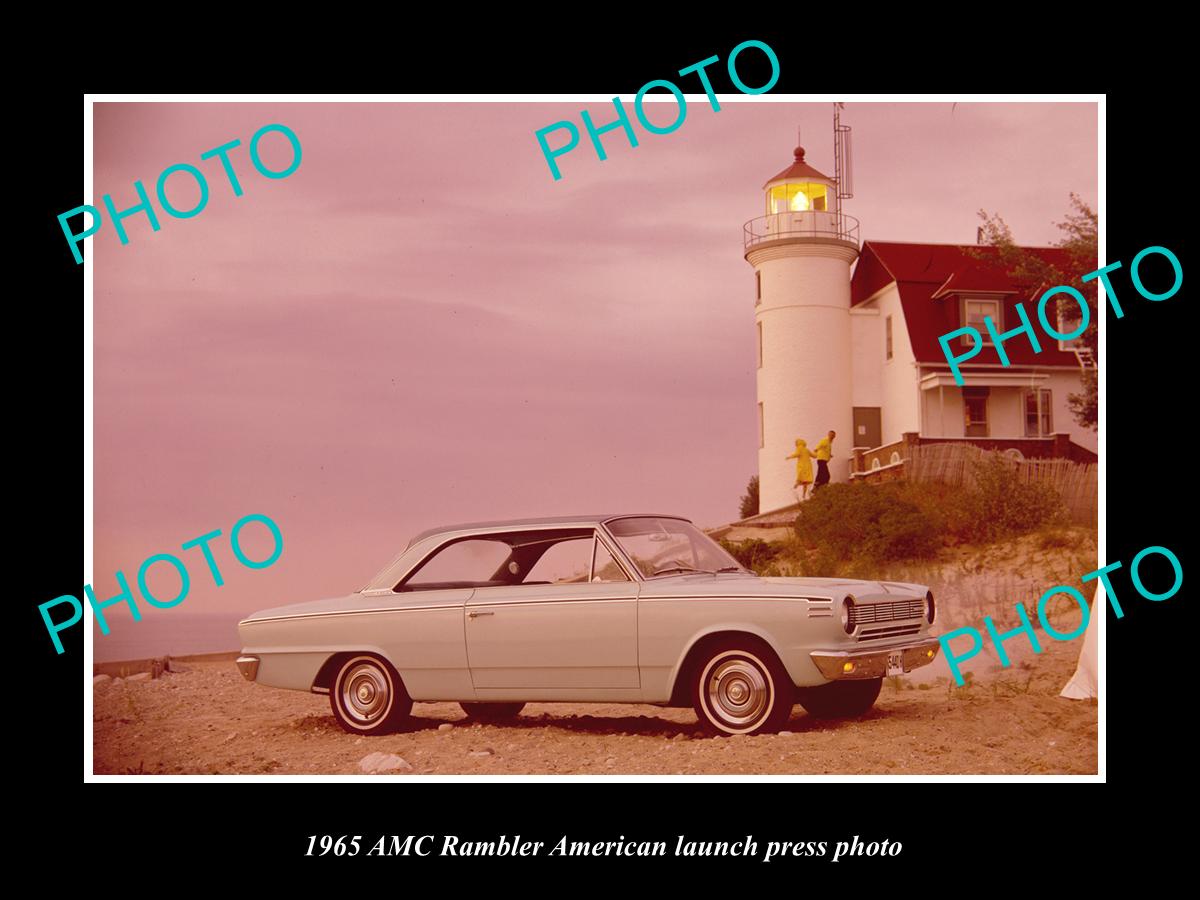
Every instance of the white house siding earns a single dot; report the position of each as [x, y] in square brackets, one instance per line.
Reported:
[1062, 384]
[866, 356]
[898, 375]
[1006, 418]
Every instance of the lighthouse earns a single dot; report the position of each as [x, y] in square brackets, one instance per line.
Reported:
[801, 249]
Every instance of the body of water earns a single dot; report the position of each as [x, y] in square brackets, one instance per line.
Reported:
[166, 633]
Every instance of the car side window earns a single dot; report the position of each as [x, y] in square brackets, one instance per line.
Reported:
[459, 564]
[605, 568]
[563, 562]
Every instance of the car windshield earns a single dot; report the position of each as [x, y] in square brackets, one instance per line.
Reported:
[670, 547]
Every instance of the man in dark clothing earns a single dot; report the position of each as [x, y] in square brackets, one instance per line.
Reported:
[823, 452]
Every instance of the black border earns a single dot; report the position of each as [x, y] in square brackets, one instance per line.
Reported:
[948, 830]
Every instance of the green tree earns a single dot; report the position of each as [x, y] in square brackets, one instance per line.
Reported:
[749, 502]
[1080, 238]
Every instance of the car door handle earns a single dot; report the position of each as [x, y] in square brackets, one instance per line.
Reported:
[474, 615]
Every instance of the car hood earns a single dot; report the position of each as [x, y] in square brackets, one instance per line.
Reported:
[860, 588]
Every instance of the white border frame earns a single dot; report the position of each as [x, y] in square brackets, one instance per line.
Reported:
[88, 272]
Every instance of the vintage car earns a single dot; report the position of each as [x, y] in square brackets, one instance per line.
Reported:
[613, 608]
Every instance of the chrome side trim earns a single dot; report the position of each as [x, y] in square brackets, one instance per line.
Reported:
[348, 612]
[355, 612]
[734, 597]
[475, 602]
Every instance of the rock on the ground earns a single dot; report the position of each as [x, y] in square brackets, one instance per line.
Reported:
[101, 681]
[140, 676]
[383, 762]
[445, 726]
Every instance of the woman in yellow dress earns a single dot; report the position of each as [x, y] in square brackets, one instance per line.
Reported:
[804, 472]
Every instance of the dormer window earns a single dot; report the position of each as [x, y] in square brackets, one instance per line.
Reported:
[974, 311]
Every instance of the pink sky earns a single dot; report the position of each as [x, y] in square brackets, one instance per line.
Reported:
[420, 326]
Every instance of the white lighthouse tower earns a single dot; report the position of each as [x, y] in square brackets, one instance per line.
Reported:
[801, 251]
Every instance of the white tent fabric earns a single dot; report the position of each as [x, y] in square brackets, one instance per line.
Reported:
[1082, 685]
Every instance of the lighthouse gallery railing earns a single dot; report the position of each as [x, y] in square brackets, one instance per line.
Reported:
[810, 223]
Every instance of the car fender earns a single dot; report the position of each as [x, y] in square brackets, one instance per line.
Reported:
[738, 626]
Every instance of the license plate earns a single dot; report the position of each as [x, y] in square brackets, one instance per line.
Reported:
[895, 664]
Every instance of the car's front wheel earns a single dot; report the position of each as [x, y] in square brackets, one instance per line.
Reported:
[492, 712]
[741, 687]
[368, 696]
[840, 699]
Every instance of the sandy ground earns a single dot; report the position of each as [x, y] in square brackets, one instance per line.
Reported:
[208, 720]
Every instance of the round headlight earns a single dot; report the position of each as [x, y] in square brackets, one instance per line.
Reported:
[847, 619]
[930, 607]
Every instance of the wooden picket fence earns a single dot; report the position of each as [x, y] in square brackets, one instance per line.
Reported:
[951, 463]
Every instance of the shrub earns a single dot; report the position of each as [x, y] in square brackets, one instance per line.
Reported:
[883, 522]
[999, 504]
[749, 502]
[873, 522]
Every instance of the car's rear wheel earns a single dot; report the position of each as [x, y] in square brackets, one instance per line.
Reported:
[368, 696]
[840, 699]
[741, 687]
[492, 712]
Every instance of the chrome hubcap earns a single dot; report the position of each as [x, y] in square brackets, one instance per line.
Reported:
[365, 693]
[738, 691]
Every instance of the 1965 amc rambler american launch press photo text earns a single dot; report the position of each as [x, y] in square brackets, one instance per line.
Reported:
[720, 427]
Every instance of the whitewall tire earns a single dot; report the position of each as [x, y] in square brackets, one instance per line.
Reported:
[368, 696]
[740, 687]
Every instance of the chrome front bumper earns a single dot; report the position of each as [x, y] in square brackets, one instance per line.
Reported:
[838, 665]
[248, 666]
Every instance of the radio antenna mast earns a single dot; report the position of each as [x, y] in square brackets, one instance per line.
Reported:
[843, 171]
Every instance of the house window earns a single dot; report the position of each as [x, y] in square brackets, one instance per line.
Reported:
[975, 418]
[761, 442]
[760, 355]
[974, 312]
[887, 336]
[1038, 422]
[757, 288]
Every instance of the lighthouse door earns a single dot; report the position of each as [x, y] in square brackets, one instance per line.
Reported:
[868, 430]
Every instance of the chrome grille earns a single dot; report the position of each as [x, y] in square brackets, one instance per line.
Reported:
[887, 631]
[888, 611]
